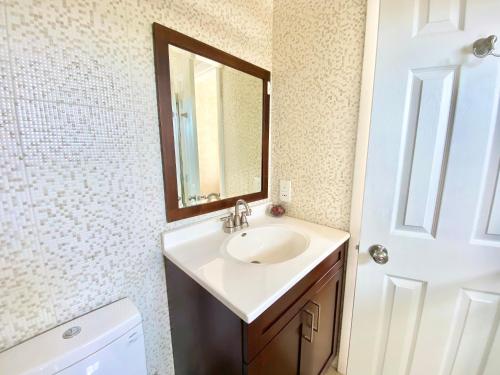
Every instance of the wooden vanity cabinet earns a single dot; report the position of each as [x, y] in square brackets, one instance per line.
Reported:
[298, 334]
[316, 353]
[308, 341]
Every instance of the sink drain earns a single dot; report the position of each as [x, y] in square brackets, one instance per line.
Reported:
[255, 262]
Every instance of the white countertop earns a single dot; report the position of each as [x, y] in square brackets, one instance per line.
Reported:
[246, 289]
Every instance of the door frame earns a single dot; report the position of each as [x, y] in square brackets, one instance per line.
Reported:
[358, 186]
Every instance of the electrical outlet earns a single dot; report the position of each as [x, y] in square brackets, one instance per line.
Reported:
[285, 191]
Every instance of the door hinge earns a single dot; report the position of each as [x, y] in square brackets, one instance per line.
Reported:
[269, 88]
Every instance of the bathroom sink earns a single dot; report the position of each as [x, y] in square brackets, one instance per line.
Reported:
[221, 263]
[266, 245]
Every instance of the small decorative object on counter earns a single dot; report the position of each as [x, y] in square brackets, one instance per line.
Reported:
[277, 210]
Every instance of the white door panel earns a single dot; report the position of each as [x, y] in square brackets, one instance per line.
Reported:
[474, 334]
[432, 196]
[487, 224]
[402, 302]
[428, 119]
[438, 16]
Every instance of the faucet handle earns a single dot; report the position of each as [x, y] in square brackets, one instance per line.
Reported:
[229, 223]
[228, 220]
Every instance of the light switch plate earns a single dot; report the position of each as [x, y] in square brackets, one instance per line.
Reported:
[285, 191]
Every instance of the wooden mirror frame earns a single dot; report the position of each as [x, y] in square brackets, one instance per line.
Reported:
[163, 37]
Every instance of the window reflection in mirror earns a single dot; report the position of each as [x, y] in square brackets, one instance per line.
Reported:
[217, 122]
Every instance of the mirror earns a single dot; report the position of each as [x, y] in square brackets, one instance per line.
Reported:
[217, 121]
[214, 115]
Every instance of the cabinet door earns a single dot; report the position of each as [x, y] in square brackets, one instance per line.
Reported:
[321, 319]
[282, 355]
[309, 341]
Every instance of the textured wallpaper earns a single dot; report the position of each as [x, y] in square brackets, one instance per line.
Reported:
[81, 188]
[317, 60]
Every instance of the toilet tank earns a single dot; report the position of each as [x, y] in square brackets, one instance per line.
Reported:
[107, 341]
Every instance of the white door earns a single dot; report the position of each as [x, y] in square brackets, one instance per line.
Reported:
[432, 196]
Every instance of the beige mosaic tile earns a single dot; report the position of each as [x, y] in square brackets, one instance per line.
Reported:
[81, 183]
[80, 169]
[317, 59]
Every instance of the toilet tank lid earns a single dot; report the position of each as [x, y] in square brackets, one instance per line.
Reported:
[49, 352]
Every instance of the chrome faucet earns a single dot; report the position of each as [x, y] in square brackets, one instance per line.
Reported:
[236, 221]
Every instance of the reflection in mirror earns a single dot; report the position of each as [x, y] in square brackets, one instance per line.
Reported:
[217, 121]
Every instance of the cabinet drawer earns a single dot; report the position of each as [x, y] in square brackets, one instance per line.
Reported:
[262, 330]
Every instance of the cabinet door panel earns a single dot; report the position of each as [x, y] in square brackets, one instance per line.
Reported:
[282, 354]
[315, 355]
[263, 329]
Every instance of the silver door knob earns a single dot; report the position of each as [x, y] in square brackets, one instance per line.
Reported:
[485, 47]
[379, 254]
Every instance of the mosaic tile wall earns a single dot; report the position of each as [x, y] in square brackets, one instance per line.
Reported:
[81, 189]
[317, 60]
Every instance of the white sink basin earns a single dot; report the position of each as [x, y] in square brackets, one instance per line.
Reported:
[221, 263]
[266, 245]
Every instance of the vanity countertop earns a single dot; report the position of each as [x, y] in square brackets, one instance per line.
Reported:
[246, 289]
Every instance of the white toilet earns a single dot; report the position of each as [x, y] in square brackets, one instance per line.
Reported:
[107, 341]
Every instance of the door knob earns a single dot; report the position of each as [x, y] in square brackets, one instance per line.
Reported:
[379, 254]
[485, 47]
